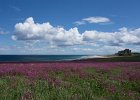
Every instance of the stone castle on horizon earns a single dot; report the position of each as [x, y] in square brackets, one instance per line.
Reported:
[126, 52]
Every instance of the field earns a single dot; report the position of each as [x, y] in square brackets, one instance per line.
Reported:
[70, 81]
[115, 59]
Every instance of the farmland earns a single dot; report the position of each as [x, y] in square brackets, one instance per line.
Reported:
[70, 81]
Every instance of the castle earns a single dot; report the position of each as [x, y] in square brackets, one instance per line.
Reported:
[125, 52]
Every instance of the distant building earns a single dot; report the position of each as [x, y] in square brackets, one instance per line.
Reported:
[125, 52]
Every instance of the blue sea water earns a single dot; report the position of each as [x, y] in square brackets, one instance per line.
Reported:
[29, 58]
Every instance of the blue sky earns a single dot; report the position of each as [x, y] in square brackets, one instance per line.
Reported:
[69, 26]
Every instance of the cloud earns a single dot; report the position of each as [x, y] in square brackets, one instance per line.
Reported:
[29, 30]
[93, 20]
[82, 49]
[2, 31]
[80, 22]
[121, 37]
[96, 19]
[109, 49]
[15, 8]
[58, 36]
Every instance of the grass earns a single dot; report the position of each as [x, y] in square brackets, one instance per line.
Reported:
[118, 59]
[88, 83]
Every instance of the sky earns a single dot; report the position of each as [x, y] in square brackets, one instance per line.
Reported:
[79, 27]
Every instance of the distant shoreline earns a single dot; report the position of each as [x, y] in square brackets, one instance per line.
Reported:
[112, 58]
[87, 60]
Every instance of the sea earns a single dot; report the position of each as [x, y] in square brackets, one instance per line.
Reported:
[35, 58]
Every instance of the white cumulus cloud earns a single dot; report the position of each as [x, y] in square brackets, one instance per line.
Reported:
[58, 36]
[123, 36]
[29, 30]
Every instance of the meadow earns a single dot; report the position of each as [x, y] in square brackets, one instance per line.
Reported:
[70, 81]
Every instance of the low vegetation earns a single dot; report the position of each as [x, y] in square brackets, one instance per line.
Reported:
[70, 81]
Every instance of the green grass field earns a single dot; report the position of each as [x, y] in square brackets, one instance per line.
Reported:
[116, 59]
